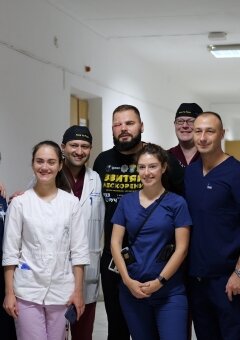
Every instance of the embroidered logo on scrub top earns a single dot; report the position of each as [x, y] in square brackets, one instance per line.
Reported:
[209, 186]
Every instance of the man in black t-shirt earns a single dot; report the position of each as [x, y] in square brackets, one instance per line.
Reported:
[118, 173]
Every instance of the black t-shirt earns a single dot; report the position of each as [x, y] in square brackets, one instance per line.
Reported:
[118, 173]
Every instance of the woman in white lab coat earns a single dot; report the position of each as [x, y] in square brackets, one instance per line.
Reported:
[44, 252]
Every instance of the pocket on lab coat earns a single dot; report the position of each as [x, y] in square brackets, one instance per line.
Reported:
[92, 271]
[23, 278]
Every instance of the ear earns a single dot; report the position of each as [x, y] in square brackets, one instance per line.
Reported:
[223, 133]
[164, 167]
[60, 167]
[63, 148]
[142, 127]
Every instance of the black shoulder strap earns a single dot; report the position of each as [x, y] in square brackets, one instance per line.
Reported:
[147, 217]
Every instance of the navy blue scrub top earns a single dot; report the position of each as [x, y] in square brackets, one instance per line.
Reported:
[157, 232]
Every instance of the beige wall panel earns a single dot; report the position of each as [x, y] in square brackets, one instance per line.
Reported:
[83, 112]
[233, 148]
[74, 119]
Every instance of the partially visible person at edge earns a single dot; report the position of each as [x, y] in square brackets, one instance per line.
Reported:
[118, 173]
[213, 195]
[186, 151]
[7, 326]
[86, 185]
[45, 250]
[152, 292]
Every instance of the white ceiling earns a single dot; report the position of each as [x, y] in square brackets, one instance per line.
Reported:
[171, 34]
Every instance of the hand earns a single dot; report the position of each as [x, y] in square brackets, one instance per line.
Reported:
[233, 286]
[15, 194]
[135, 288]
[151, 286]
[2, 190]
[10, 305]
[77, 299]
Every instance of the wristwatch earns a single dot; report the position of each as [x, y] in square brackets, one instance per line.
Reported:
[162, 280]
[237, 272]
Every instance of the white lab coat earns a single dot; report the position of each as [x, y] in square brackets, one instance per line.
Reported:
[44, 240]
[93, 210]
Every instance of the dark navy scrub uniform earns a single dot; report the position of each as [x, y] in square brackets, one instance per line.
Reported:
[214, 204]
[164, 314]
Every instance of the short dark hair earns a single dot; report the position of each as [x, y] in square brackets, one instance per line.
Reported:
[126, 107]
[213, 114]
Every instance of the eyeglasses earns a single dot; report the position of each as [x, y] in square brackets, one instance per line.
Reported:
[189, 121]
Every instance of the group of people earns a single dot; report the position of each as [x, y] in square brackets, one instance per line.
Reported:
[175, 214]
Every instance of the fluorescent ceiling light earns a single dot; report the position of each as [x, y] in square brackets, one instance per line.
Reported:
[225, 51]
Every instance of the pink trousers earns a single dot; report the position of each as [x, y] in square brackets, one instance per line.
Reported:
[40, 322]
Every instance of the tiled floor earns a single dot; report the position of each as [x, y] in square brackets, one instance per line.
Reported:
[100, 324]
[100, 328]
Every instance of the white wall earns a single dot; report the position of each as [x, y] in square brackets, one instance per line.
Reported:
[37, 78]
[230, 114]
[32, 106]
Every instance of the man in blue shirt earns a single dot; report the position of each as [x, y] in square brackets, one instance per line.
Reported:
[212, 187]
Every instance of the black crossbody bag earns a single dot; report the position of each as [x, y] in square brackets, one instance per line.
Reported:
[127, 252]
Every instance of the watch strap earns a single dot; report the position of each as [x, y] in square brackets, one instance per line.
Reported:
[162, 280]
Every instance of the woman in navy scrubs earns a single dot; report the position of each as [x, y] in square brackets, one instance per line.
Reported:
[152, 292]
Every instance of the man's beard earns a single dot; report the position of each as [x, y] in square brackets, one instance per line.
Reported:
[126, 146]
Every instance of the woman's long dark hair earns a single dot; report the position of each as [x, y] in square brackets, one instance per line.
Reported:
[61, 181]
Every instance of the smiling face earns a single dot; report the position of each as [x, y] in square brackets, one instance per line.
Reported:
[208, 134]
[184, 129]
[76, 153]
[127, 129]
[46, 164]
[150, 170]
